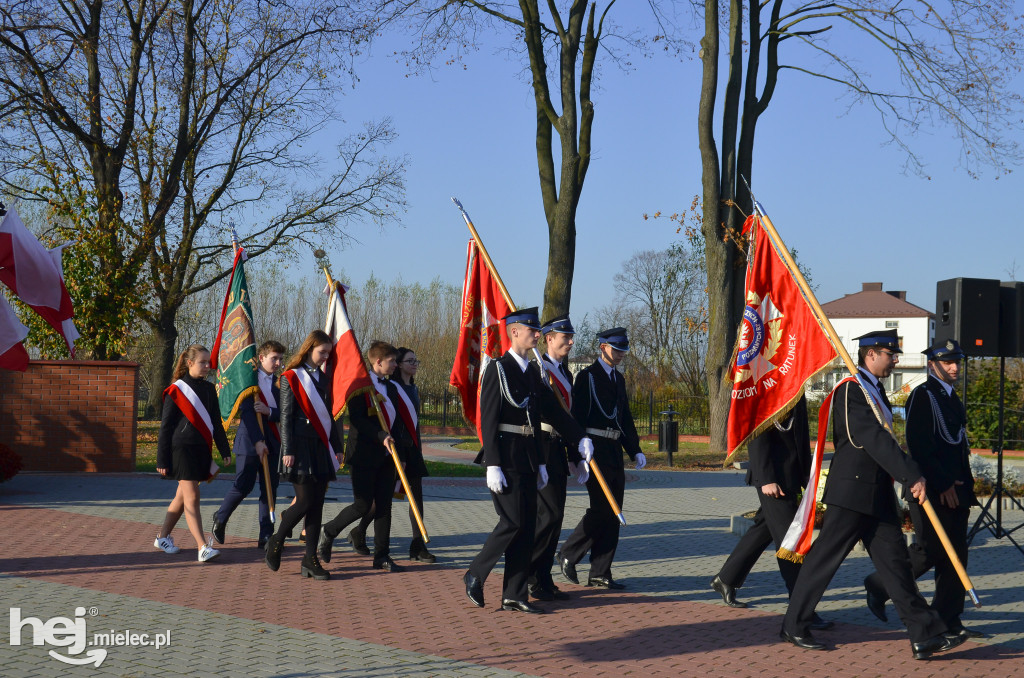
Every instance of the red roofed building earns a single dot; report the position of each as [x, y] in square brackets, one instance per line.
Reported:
[876, 309]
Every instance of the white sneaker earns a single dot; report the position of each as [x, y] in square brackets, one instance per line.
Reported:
[166, 544]
[207, 553]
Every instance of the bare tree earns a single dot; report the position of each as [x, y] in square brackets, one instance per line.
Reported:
[660, 296]
[951, 65]
[562, 42]
[112, 112]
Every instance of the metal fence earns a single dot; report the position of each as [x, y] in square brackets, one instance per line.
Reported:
[444, 408]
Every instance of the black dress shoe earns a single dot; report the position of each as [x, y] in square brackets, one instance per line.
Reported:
[358, 541]
[262, 544]
[568, 569]
[605, 583]
[218, 531]
[275, 545]
[727, 592]
[819, 624]
[939, 643]
[540, 593]
[968, 633]
[559, 594]
[324, 549]
[474, 589]
[876, 597]
[387, 565]
[520, 606]
[806, 642]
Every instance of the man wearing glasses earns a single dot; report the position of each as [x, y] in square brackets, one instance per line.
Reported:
[862, 505]
[937, 439]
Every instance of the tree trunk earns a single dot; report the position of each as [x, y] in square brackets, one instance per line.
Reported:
[165, 335]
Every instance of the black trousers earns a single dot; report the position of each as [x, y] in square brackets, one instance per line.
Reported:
[928, 552]
[770, 524]
[550, 512]
[249, 472]
[888, 550]
[309, 505]
[373, 489]
[416, 490]
[512, 536]
[598, 531]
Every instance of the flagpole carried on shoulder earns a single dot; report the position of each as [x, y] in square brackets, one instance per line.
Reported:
[540, 362]
[826, 325]
[331, 283]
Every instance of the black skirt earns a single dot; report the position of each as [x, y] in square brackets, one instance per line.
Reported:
[191, 462]
[313, 466]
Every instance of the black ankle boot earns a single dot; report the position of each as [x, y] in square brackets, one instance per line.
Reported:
[358, 540]
[311, 567]
[275, 546]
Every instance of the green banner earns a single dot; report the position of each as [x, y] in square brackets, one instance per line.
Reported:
[236, 355]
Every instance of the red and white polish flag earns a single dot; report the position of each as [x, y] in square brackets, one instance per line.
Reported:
[345, 365]
[13, 355]
[36, 275]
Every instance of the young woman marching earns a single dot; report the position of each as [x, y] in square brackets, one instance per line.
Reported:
[310, 449]
[189, 427]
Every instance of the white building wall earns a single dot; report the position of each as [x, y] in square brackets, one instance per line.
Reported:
[916, 335]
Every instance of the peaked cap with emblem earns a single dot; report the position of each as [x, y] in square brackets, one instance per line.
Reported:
[560, 324]
[615, 337]
[946, 351]
[880, 339]
[524, 316]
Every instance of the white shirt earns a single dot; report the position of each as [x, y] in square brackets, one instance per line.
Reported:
[265, 380]
[314, 371]
[520, 360]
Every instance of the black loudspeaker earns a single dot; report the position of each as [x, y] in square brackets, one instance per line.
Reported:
[1011, 320]
[967, 309]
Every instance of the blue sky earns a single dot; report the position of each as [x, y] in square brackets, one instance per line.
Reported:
[834, 190]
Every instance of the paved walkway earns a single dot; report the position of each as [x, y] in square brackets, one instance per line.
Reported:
[85, 541]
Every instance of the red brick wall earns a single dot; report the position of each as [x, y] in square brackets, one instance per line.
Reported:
[67, 416]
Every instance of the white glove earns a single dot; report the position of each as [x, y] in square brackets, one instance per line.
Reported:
[542, 477]
[581, 471]
[641, 460]
[495, 479]
[587, 449]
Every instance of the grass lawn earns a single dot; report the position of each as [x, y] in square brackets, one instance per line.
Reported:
[145, 456]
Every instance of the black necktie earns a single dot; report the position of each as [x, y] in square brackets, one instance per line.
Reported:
[881, 392]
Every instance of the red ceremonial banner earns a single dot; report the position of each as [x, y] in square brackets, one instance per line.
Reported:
[482, 335]
[780, 344]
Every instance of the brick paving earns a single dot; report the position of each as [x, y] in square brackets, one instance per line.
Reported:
[86, 540]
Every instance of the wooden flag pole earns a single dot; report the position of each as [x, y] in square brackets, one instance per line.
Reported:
[266, 464]
[391, 449]
[401, 471]
[540, 362]
[826, 325]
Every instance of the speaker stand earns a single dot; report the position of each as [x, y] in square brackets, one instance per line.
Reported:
[986, 520]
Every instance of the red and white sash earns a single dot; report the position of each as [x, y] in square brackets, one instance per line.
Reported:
[798, 537]
[559, 382]
[313, 407]
[267, 398]
[192, 407]
[407, 411]
[387, 407]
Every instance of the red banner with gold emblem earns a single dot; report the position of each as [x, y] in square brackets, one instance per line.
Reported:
[779, 347]
[482, 335]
